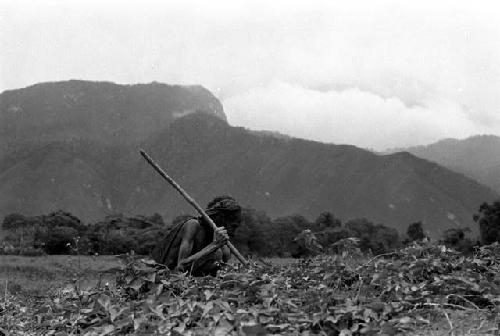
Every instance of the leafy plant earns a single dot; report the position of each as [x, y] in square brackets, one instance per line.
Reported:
[346, 294]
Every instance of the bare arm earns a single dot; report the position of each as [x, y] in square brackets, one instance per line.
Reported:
[198, 257]
[226, 253]
[185, 258]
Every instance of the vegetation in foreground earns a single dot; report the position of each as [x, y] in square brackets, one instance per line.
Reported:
[413, 290]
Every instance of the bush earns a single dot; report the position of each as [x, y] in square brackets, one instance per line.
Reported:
[13, 221]
[326, 220]
[283, 232]
[305, 245]
[251, 234]
[488, 219]
[376, 238]
[59, 240]
[415, 232]
[455, 239]
[331, 236]
[63, 218]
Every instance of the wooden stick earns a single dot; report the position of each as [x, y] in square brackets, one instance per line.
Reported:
[191, 201]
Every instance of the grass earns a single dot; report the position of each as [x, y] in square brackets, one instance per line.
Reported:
[36, 276]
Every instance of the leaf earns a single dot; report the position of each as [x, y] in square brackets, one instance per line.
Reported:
[278, 327]
[104, 301]
[208, 294]
[136, 284]
[253, 330]
[138, 321]
[149, 262]
[207, 308]
[114, 313]
[151, 277]
[223, 328]
[265, 319]
[405, 320]
[388, 329]
[108, 329]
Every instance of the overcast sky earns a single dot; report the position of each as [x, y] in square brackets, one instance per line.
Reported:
[376, 74]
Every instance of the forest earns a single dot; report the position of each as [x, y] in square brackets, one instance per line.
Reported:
[63, 233]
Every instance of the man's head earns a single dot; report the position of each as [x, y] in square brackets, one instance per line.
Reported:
[226, 212]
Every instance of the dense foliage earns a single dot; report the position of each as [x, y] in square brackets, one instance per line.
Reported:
[62, 233]
[325, 295]
[258, 234]
[489, 222]
[415, 231]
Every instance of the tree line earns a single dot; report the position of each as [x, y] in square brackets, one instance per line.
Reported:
[61, 232]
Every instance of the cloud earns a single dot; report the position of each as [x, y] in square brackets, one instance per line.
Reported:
[424, 70]
[350, 116]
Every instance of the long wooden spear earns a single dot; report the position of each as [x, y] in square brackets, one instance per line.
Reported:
[191, 201]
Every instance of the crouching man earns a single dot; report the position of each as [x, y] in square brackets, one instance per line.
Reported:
[194, 246]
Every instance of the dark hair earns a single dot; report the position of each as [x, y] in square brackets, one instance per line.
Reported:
[224, 203]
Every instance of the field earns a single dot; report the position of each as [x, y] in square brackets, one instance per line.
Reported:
[420, 290]
[36, 276]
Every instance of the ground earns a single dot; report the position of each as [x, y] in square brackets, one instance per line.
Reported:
[42, 274]
[423, 291]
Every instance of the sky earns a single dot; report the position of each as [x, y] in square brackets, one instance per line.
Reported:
[375, 74]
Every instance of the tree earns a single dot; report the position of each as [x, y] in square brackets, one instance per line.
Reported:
[284, 230]
[250, 236]
[327, 220]
[13, 221]
[63, 218]
[385, 240]
[147, 239]
[415, 231]
[363, 229]
[455, 238]
[330, 236]
[377, 238]
[305, 244]
[488, 219]
[59, 240]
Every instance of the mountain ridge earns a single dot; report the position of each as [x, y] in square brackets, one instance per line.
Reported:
[477, 157]
[95, 176]
[99, 111]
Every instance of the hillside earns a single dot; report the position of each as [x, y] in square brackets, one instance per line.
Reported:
[96, 111]
[298, 176]
[92, 174]
[477, 157]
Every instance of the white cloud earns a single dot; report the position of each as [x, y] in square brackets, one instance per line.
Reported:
[423, 70]
[351, 116]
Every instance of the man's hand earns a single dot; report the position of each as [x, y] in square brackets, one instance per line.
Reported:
[220, 236]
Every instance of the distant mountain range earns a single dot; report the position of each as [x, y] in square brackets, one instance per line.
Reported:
[97, 111]
[74, 146]
[477, 157]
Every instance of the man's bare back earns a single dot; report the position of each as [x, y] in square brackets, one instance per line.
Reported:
[194, 246]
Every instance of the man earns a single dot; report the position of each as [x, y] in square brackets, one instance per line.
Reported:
[194, 246]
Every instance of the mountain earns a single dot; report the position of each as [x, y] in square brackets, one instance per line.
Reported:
[96, 111]
[305, 177]
[477, 157]
[92, 175]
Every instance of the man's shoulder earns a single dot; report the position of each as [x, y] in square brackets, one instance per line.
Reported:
[192, 224]
[194, 228]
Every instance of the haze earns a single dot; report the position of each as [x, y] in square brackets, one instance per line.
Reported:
[372, 74]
